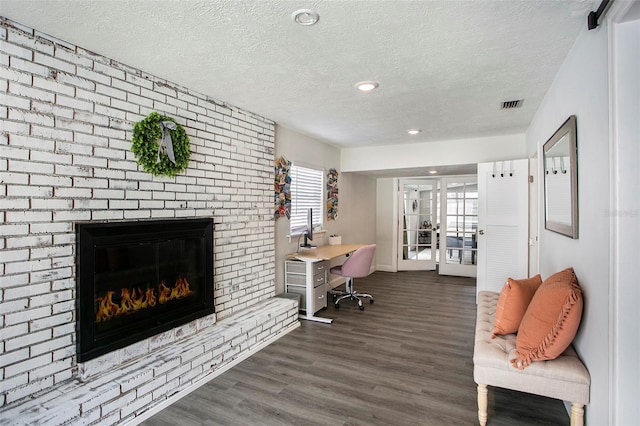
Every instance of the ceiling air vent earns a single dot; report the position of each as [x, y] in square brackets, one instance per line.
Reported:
[512, 104]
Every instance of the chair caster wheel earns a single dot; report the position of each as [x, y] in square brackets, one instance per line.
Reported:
[371, 301]
[337, 306]
[361, 307]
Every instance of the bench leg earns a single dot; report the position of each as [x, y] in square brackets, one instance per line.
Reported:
[577, 414]
[482, 404]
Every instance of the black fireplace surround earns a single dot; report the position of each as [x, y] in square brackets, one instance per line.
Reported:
[137, 279]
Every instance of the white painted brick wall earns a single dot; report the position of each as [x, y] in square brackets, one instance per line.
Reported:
[66, 122]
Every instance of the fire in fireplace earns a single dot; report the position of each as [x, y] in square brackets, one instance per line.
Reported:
[137, 279]
[132, 300]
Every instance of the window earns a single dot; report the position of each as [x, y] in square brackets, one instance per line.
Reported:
[306, 193]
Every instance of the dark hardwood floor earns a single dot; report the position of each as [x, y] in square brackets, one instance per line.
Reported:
[404, 360]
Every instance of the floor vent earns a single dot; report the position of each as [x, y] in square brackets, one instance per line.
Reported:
[512, 104]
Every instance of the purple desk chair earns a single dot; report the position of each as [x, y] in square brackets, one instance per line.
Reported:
[357, 265]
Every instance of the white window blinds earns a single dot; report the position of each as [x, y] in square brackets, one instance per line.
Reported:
[306, 193]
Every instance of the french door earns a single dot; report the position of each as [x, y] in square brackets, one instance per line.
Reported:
[458, 230]
[417, 239]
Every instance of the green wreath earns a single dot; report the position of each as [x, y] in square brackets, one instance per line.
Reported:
[150, 134]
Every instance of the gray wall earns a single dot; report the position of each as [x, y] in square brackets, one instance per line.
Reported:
[581, 88]
[357, 197]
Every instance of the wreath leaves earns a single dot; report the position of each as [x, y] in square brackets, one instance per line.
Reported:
[146, 135]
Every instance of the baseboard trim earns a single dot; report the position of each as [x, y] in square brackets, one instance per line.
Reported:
[173, 398]
[336, 282]
[386, 268]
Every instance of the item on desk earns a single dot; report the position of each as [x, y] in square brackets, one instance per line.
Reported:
[335, 240]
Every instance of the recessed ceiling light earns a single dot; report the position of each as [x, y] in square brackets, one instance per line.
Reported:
[414, 131]
[367, 86]
[433, 172]
[305, 17]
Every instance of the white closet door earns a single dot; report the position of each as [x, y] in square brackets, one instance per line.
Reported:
[503, 250]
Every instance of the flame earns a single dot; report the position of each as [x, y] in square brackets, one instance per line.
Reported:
[132, 300]
[136, 300]
[106, 307]
[151, 297]
[181, 288]
[165, 292]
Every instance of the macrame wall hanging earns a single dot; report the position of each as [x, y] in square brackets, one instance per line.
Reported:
[282, 188]
[332, 194]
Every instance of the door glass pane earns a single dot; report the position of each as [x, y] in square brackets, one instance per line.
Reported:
[471, 207]
[461, 223]
[417, 223]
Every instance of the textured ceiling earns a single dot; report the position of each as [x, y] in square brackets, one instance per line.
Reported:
[443, 66]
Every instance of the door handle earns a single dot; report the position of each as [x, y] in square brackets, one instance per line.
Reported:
[481, 232]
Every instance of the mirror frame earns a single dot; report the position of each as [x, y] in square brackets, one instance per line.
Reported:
[569, 128]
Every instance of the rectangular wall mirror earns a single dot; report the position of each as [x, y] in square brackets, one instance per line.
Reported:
[561, 180]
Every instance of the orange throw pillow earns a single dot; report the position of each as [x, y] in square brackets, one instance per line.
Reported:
[512, 304]
[551, 321]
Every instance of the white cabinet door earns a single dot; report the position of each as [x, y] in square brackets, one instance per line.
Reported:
[503, 250]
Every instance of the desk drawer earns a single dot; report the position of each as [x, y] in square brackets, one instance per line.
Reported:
[320, 267]
[319, 297]
[296, 267]
[302, 306]
[319, 279]
[296, 279]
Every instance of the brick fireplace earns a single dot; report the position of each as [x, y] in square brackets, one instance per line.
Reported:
[66, 118]
[138, 279]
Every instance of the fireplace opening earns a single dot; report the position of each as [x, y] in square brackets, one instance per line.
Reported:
[137, 279]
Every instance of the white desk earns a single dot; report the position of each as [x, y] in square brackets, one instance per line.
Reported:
[311, 256]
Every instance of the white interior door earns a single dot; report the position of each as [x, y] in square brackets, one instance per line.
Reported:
[502, 223]
[417, 214]
[624, 175]
[458, 229]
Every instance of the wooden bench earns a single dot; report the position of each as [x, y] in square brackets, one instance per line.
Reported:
[564, 378]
